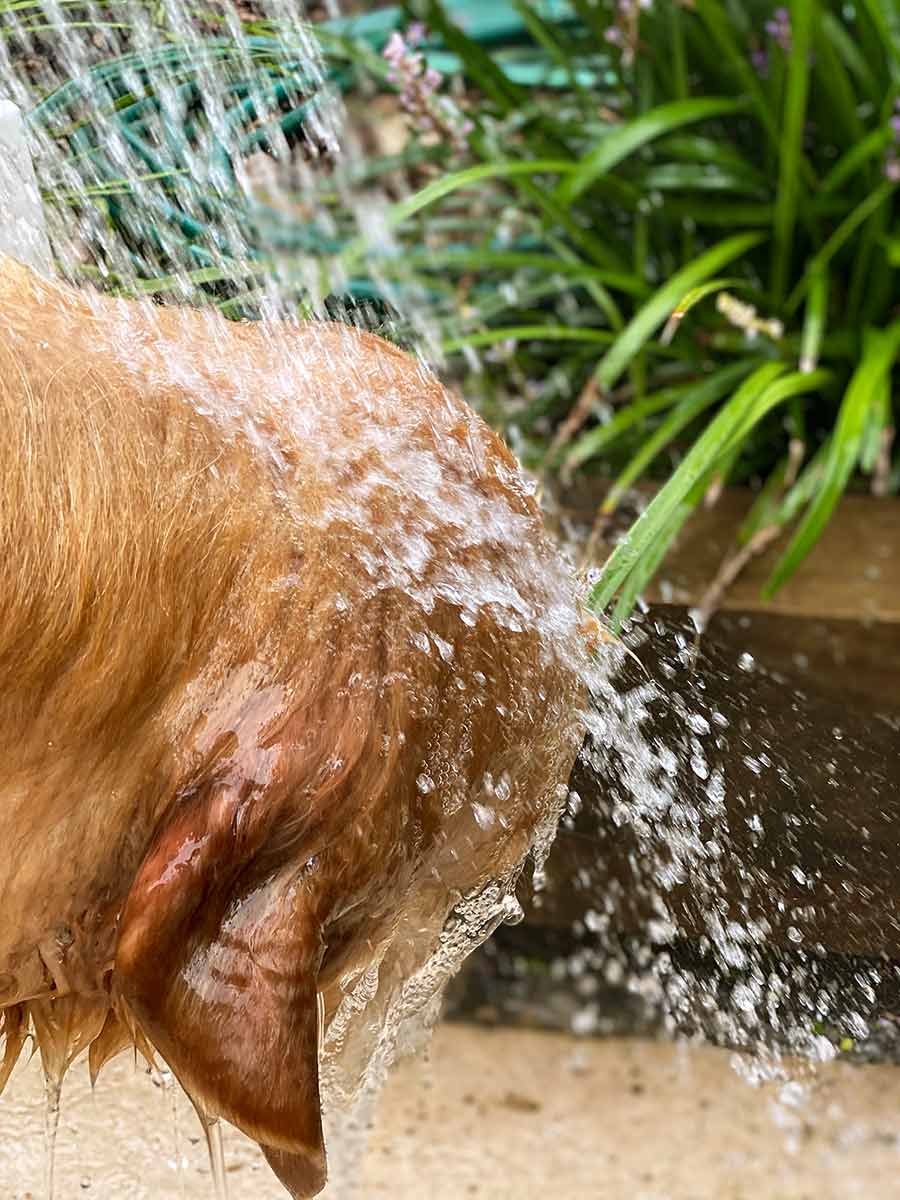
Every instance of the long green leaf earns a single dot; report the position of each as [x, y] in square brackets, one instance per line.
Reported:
[761, 392]
[664, 301]
[815, 320]
[804, 488]
[697, 148]
[514, 260]
[691, 299]
[721, 27]
[454, 182]
[623, 140]
[790, 146]
[884, 16]
[695, 399]
[879, 352]
[833, 78]
[725, 213]
[461, 179]
[696, 463]
[700, 177]
[878, 421]
[839, 238]
[590, 444]
[522, 333]
[647, 567]
[873, 145]
[782, 389]
[852, 57]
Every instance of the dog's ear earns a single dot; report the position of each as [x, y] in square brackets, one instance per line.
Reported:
[217, 964]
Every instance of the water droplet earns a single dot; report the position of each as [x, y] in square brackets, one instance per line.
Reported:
[485, 816]
[745, 997]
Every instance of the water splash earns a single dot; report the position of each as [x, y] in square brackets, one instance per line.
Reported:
[205, 156]
[182, 79]
[720, 880]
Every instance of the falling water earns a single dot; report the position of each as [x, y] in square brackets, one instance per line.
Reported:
[22, 223]
[52, 1091]
[714, 863]
[216, 1145]
[168, 1085]
[198, 157]
[727, 799]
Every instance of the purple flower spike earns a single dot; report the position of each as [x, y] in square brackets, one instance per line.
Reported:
[396, 49]
[779, 29]
[760, 60]
[418, 84]
[624, 31]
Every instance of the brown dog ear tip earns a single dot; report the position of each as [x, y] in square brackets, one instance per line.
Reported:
[304, 1173]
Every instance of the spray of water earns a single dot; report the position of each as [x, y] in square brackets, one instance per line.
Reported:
[200, 156]
[717, 838]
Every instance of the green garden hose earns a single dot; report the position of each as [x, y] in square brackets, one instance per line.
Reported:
[183, 220]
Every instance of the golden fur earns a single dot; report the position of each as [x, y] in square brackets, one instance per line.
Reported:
[285, 653]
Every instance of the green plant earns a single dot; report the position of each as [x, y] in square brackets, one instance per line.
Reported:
[147, 116]
[672, 236]
[705, 253]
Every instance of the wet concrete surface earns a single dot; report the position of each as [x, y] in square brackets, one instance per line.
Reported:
[502, 1114]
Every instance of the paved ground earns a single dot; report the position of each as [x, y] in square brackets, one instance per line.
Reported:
[507, 1116]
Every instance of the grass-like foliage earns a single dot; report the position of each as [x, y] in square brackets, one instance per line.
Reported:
[657, 238]
[700, 271]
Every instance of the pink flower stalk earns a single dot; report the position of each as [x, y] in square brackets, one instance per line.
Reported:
[779, 29]
[892, 160]
[418, 85]
[623, 33]
[759, 56]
